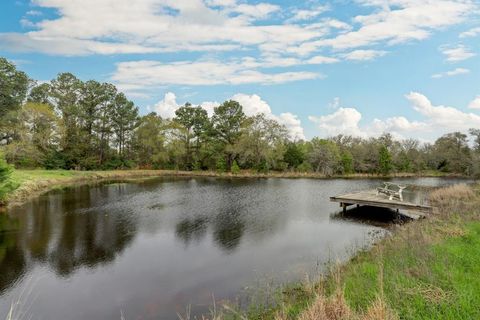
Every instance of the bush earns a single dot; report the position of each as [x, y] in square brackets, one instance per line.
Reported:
[305, 167]
[6, 184]
[263, 167]
[54, 160]
[235, 168]
[221, 165]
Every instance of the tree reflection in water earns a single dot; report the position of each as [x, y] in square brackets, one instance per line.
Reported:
[54, 230]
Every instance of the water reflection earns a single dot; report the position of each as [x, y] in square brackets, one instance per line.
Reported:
[152, 247]
[380, 217]
[53, 230]
[12, 261]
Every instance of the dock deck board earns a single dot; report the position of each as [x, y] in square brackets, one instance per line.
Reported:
[371, 198]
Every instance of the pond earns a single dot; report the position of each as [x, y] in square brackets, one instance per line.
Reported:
[148, 249]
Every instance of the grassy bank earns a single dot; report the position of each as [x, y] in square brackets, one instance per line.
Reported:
[26, 184]
[427, 270]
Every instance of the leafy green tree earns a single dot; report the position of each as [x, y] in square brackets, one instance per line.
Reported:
[40, 94]
[103, 125]
[261, 144]
[294, 155]
[124, 122]
[453, 153]
[194, 128]
[149, 142]
[227, 121]
[64, 95]
[14, 85]
[385, 161]
[325, 156]
[347, 162]
[37, 133]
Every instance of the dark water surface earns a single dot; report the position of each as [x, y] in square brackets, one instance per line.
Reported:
[150, 248]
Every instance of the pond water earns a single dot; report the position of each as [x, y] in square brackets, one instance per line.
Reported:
[148, 249]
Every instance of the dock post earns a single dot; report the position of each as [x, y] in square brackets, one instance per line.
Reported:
[344, 207]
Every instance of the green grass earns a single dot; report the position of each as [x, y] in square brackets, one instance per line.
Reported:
[433, 281]
[21, 176]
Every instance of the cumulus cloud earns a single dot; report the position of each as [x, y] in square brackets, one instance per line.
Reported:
[167, 106]
[475, 104]
[457, 53]
[441, 117]
[252, 105]
[437, 121]
[342, 121]
[451, 73]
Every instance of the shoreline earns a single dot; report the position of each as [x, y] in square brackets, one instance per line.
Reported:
[426, 269]
[33, 183]
[405, 275]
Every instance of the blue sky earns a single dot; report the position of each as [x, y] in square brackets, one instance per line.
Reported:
[361, 67]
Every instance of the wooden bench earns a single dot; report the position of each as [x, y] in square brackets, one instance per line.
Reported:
[392, 190]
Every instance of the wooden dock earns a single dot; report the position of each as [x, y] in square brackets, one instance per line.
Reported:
[371, 198]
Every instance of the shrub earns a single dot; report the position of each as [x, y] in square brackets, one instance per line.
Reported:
[6, 184]
[221, 165]
[305, 167]
[235, 168]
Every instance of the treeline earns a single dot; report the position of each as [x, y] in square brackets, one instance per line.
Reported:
[70, 124]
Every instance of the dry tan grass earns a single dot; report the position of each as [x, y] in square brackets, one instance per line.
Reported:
[453, 197]
[452, 193]
[379, 310]
[431, 293]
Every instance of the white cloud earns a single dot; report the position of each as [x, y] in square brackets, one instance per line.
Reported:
[443, 118]
[166, 108]
[438, 121]
[95, 26]
[475, 104]
[135, 75]
[308, 14]
[399, 21]
[451, 73]
[342, 121]
[293, 125]
[259, 11]
[322, 60]
[458, 53]
[110, 27]
[252, 105]
[363, 55]
[470, 33]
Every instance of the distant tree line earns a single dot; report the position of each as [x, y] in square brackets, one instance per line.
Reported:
[71, 124]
